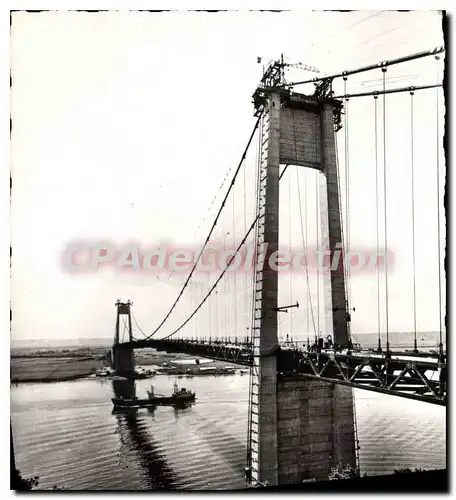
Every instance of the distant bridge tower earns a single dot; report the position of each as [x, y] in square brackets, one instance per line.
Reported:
[122, 355]
[298, 428]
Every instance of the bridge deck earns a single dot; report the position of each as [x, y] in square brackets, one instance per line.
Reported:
[408, 376]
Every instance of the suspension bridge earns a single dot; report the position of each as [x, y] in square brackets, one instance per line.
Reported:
[294, 328]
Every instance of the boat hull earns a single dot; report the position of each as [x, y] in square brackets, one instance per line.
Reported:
[158, 401]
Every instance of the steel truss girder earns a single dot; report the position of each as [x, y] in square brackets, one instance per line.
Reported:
[397, 377]
[221, 352]
[394, 376]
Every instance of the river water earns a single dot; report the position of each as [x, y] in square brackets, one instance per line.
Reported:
[66, 434]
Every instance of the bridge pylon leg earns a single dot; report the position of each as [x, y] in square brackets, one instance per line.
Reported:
[298, 429]
[122, 356]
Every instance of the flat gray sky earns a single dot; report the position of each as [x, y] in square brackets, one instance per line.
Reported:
[125, 125]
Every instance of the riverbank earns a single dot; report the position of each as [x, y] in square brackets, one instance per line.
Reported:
[58, 366]
[55, 369]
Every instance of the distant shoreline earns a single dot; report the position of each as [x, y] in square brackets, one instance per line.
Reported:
[48, 380]
[65, 365]
[428, 338]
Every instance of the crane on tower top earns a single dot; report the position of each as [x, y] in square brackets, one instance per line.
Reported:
[274, 76]
[276, 69]
[302, 66]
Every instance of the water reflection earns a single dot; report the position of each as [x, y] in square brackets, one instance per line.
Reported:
[71, 439]
[182, 408]
[124, 388]
[133, 430]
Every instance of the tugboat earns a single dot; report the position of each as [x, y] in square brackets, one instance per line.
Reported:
[179, 396]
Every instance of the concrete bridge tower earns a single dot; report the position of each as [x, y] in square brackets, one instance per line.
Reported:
[299, 428]
[122, 355]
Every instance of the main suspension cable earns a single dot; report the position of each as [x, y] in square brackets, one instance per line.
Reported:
[370, 67]
[137, 325]
[212, 228]
[222, 274]
[389, 91]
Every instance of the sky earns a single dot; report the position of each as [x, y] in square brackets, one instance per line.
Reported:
[125, 125]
